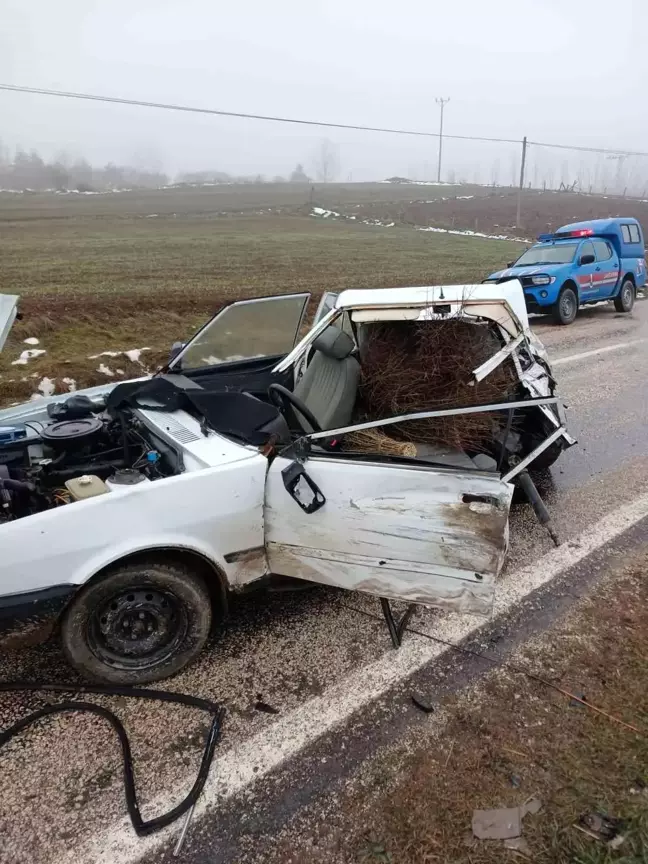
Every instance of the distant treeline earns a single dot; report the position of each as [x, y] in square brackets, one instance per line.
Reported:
[28, 170]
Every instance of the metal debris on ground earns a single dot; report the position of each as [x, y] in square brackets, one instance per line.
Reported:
[578, 701]
[260, 705]
[601, 827]
[422, 703]
[518, 844]
[501, 824]
[178, 847]
[504, 823]
[530, 807]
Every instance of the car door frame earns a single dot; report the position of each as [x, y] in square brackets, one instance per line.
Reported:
[606, 271]
[585, 273]
[175, 364]
[301, 544]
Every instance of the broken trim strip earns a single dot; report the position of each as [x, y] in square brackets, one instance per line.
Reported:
[533, 455]
[497, 359]
[426, 415]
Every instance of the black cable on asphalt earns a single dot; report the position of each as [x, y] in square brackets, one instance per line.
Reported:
[142, 827]
[504, 664]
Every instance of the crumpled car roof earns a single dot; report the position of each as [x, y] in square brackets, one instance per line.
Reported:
[508, 294]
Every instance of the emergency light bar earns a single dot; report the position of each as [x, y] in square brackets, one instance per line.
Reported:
[581, 232]
[564, 235]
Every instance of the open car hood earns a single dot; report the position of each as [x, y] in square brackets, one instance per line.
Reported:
[8, 311]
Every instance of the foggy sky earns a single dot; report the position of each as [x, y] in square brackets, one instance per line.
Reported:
[549, 69]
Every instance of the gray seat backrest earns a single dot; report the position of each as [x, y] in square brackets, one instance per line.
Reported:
[330, 383]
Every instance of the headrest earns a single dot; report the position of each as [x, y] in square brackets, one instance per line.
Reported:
[334, 343]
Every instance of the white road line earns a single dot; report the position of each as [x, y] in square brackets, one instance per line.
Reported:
[584, 354]
[245, 763]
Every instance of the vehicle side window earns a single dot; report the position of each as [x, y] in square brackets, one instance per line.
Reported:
[625, 233]
[587, 248]
[603, 250]
[635, 236]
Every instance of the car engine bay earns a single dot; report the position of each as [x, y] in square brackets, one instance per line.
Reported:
[80, 451]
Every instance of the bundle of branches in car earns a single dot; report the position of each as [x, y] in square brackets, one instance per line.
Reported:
[411, 366]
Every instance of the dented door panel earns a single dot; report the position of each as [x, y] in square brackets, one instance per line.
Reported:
[419, 534]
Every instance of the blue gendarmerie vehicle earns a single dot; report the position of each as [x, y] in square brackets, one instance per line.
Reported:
[580, 264]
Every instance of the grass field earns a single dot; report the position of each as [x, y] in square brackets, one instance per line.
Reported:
[95, 276]
[118, 271]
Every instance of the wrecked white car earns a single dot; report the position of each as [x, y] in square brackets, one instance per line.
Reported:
[378, 454]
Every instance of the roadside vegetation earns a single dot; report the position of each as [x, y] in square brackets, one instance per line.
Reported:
[108, 283]
[507, 741]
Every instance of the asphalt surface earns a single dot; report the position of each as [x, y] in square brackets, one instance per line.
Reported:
[61, 791]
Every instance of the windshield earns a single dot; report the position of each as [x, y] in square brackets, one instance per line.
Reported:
[266, 327]
[561, 253]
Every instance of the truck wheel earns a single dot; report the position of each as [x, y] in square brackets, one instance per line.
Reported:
[139, 623]
[566, 306]
[625, 301]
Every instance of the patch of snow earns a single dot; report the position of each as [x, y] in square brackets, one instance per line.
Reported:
[104, 354]
[152, 216]
[378, 223]
[70, 383]
[47, 386]
[32, 340]
[105, 370]
[464, 197]
[134, 354]
[474, 234]
[120, 371]
[319, 211]
[28, 355]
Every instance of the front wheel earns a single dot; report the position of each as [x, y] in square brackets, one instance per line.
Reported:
[566, 306]
[139, 623]
[626, 298]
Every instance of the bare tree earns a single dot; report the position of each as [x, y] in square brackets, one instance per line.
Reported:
[326, 162]
[299, 175]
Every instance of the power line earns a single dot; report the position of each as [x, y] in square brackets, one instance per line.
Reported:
[171, 107]
[322, 123]
[588, 149]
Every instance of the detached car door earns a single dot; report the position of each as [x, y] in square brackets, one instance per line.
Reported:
[424, 534]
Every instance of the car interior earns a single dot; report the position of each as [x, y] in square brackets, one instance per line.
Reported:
[325, 395]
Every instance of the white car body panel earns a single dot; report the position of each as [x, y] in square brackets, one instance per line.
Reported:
[8, 312]
[213, 512]
[404, 532]
[396, 531]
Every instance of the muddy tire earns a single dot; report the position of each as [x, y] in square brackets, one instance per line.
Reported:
[625, 301]
[138, 623]
[566, 306]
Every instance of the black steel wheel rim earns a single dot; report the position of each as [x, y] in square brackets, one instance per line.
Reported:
[138, 628]
[567, 305]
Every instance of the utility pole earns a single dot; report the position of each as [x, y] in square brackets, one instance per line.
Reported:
[442, 103]
[519, 195]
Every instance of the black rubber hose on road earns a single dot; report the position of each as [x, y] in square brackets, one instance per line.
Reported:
[141, 827]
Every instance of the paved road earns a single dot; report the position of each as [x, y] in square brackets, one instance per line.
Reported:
[309, 655]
